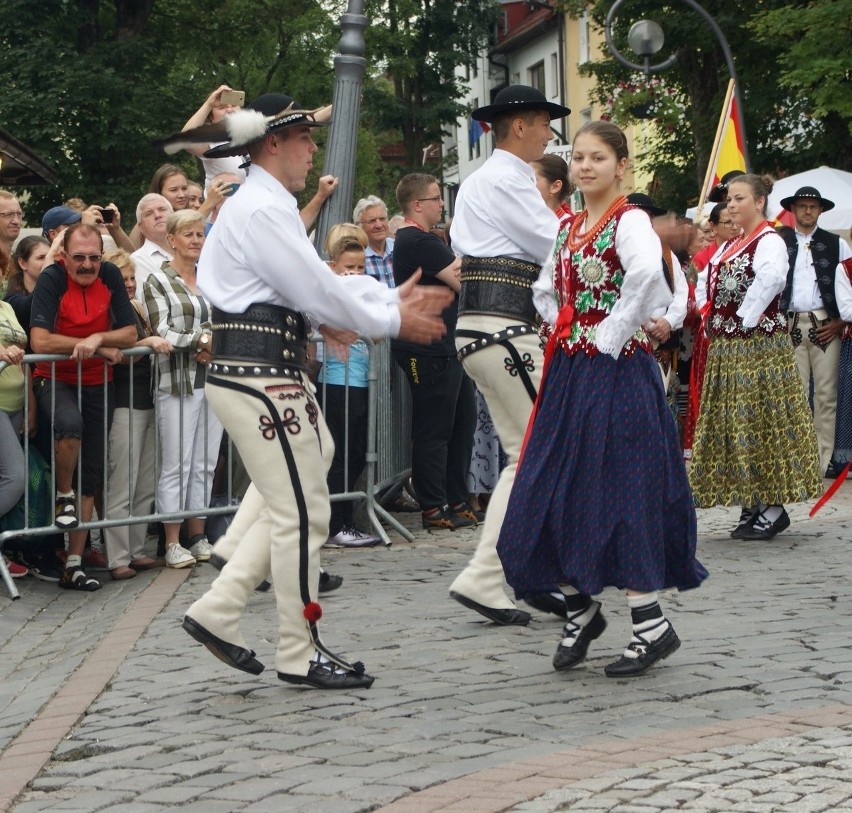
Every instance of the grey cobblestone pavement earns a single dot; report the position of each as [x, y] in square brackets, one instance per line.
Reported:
[464, 715]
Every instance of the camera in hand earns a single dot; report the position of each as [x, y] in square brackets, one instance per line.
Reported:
[107, 215]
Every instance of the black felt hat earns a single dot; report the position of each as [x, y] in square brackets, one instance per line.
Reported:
[719, 193]
[515, 99]
[237, 131]
[643, 201]
[810, 193]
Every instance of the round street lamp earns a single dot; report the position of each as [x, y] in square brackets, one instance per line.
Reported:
[646, 38]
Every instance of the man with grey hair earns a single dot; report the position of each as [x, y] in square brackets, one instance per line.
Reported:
[152, 212]
[371, 214]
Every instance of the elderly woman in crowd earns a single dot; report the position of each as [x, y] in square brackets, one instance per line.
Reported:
[189, 430]
[132, 438]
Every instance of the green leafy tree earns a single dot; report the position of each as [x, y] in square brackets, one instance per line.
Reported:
[415, 48]
[90, 84]
[785, 128]
[816, 64]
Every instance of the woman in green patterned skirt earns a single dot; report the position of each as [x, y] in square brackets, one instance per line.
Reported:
[755, 444]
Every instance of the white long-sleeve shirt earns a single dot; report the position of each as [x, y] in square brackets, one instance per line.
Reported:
[500, 213]
[259, 252]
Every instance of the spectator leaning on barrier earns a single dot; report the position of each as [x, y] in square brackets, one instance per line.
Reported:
[190, 432]
[342, 395]
[372, 215]
[81, 309]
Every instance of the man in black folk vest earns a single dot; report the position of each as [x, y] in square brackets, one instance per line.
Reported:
[811, 306]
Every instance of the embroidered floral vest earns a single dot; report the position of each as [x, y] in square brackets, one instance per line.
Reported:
[591, 280]
[727, 285]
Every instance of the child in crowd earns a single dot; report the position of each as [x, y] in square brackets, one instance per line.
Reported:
[342, 391]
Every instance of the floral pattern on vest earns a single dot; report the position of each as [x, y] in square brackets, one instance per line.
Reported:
[727, 286]
[592, 279]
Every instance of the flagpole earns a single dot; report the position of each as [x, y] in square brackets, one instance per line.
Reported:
[714, 153]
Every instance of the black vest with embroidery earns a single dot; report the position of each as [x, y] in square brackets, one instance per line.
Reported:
[825, 250]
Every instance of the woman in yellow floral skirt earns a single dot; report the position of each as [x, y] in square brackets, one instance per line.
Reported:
[755, 444]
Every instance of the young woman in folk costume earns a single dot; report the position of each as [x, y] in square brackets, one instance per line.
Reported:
[601, 497]
[755, 444]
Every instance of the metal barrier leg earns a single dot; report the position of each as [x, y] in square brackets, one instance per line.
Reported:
[8, 580]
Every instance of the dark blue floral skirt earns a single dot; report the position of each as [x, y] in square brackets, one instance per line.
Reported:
[601, 497]
[843, 430]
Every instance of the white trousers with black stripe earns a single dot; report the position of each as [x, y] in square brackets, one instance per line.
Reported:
[283, 519]
[510, 405]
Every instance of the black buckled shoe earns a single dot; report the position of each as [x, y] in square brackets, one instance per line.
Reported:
[547, 603]
[647, 654]
[568, 656]
[326, 676]
[505, 618]
[231, 654]
[747, 516]
[763, 528]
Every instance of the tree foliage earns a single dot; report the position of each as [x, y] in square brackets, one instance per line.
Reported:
[415, 47]
[789, 128]
[89, 84]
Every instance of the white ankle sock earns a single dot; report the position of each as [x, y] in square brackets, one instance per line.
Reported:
[576, 622]
[648, 622]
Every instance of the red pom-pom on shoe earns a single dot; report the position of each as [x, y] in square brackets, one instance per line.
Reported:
[313, 612]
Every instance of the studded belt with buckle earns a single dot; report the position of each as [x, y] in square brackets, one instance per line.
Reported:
[264, 336]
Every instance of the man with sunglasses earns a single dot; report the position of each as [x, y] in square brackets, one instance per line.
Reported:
[80, 309]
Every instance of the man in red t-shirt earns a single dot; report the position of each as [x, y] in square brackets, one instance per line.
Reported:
[80, 309]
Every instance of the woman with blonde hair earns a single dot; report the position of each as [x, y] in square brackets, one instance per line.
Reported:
[190, 432]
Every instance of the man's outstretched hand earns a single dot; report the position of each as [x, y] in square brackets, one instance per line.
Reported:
[420, 309]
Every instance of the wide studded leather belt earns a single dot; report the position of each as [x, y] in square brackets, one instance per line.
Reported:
[262, 334]
[498, 286]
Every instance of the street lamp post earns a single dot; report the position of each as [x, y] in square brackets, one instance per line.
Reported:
[646, 39]
[349, 66]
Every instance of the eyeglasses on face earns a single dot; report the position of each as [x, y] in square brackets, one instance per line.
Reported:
[81, 258]
[10, 215]
[434, 200]
[726, 223]
[374, 221]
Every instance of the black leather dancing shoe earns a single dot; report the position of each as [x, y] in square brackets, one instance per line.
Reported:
[762, 528]
[505, 618]
[747, 516]
[568, 656]
[236, 656]
[326, 676]
[546, 603]
[648, 653]
[328, 582]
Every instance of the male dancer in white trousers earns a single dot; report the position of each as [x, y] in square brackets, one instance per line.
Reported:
[261, 273]
[504, 232]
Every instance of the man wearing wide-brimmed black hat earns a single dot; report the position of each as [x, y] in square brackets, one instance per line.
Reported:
[262, 275]
[504, 232]
[811, 305]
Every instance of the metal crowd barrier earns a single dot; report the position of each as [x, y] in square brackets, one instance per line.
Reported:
[387, 459]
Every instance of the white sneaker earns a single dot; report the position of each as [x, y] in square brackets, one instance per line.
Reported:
[177, 556]
[352, 538]
[202, 550]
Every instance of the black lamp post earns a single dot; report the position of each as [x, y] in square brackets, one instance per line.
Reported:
[646, 38]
